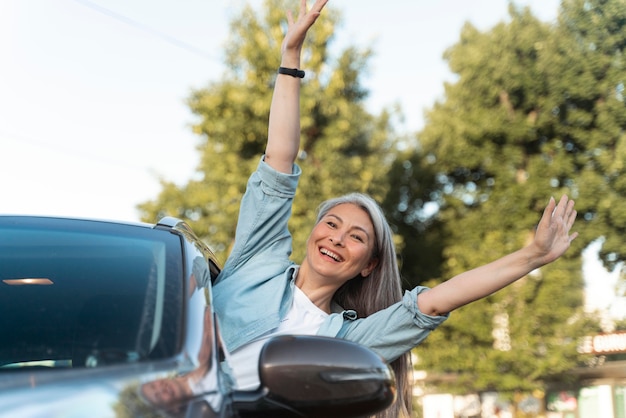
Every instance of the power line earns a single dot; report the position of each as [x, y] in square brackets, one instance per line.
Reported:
[140, 26]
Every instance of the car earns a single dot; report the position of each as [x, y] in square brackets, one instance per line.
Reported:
[101, 318]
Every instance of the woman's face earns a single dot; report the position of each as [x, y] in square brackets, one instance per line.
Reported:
[341, 245]
[164, 392]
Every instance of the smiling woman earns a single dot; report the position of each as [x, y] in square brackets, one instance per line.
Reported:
[342, 246]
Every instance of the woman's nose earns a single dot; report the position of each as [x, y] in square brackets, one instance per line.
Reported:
[337, 239]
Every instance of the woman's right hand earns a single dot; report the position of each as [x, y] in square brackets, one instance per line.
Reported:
[296, 32]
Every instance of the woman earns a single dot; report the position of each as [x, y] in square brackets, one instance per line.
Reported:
[348, 285]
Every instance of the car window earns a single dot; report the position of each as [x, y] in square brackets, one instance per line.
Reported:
[86, 294]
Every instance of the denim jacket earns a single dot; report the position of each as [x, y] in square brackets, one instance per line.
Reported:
[254, 291]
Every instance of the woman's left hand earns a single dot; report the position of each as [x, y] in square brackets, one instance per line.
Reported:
[553, 237]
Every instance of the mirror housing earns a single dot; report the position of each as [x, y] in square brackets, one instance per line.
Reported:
[319, 377]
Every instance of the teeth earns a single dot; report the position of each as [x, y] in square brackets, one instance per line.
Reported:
[330, 254]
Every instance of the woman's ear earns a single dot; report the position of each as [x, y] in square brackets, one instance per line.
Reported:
[370, 267]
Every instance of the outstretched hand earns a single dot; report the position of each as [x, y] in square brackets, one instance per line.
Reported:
[296, 31]
[553, 237]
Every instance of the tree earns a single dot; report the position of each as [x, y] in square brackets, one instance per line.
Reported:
[499, 148]
[589, 114]
[344, 148]
[411, 190]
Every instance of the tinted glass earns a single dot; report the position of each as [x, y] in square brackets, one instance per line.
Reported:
[83, 293]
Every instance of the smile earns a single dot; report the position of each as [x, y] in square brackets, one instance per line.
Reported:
[331, 254]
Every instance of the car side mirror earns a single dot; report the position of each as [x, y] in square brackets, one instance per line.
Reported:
[320, 377]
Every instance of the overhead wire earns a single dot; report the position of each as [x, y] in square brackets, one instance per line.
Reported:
[140, 26]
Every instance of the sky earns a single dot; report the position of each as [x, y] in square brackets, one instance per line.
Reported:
[92, 92]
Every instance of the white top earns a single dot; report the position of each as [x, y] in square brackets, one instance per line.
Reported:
[303, 318]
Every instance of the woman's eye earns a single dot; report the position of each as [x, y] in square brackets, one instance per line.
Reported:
[331, 224]
[358, 238]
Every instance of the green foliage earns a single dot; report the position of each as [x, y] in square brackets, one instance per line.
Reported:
[411, 187]
[535, 112]
[587, 98]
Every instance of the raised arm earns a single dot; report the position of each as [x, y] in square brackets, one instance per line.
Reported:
[552, 239]
[284, 122]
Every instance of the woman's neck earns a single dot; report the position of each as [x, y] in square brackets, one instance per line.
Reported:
[317, 290]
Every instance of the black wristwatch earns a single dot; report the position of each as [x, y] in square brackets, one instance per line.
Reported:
[294, 72]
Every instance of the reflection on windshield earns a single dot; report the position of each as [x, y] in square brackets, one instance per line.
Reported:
[201, 380]
[167, 393]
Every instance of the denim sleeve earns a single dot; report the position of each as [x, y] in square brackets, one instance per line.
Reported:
[249, 293]
[393, 331]
[263, 216]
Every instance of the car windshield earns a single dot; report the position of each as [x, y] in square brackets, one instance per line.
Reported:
[77, 293]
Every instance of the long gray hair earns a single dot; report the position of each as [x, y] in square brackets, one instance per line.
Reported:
[380, 289]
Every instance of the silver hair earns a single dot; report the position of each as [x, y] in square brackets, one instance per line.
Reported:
[379, 290]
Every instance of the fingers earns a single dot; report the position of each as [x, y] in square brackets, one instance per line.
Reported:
[298, 26]
[318, 6]
[289, 18]
[548, 213]
[313, 14]
[561, 207]
[570, 214]
[549, 210]
[302, 11]
[565, 211]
